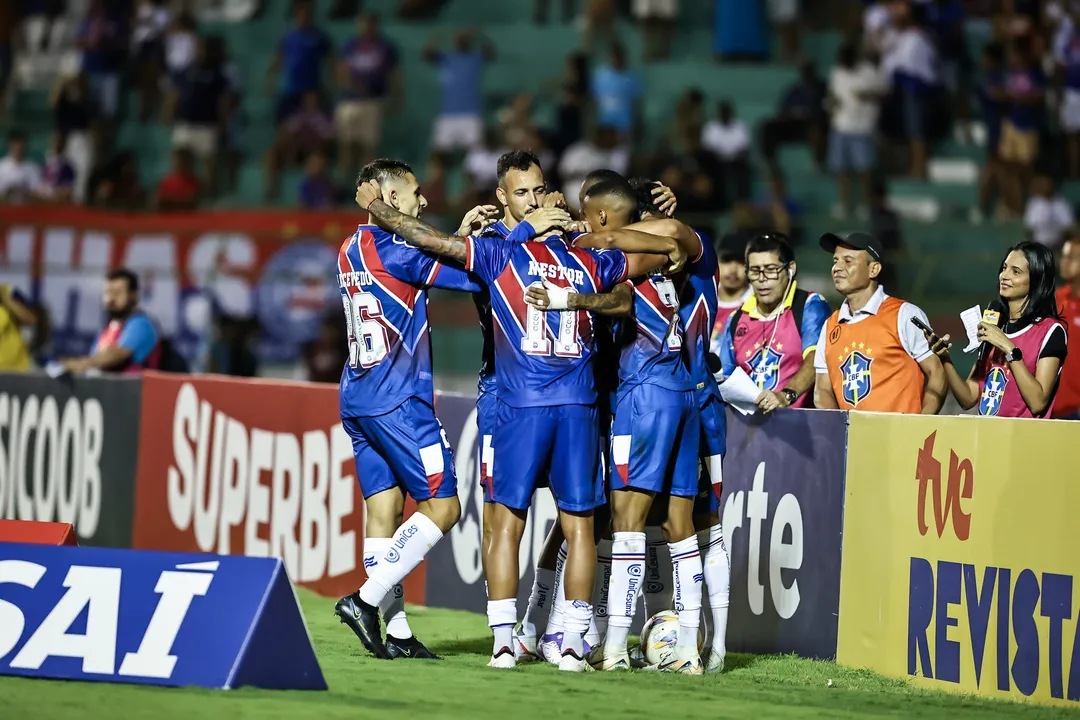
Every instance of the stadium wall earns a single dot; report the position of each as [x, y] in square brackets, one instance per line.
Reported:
[960, 554]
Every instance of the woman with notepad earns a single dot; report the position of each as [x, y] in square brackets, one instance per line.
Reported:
[1023, 342]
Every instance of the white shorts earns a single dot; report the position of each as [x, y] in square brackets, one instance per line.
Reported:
[200, 139]
[458, 132]
[1070, 111]
[662, 9]
[783, 11]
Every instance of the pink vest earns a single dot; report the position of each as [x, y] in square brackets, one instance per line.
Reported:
[770, 351]
[998, 393]
[110, 336]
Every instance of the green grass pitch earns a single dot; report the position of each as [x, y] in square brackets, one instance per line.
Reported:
[463, 687]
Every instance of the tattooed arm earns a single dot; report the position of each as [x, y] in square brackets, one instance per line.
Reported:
[620, 301]
[417, 232]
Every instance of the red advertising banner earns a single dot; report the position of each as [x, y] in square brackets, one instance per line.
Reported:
[40, 533]
[252, 467]
[276, 266]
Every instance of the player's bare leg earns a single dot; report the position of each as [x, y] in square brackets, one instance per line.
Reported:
[688, 576]
[579, 576]
[485, 537]
[507, 527]
[406, 544]
[534, 624]
[716, 566]
[629, 508]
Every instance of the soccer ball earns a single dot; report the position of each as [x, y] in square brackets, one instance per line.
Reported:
[660, 635]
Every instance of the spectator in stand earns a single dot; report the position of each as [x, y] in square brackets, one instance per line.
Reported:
[1067, 402]
[301, 57]
[801, 118]
[199, 105]
[1067, 56]
[8, 22]
[574, 97]
[991, 96]
[885, 226]
[657, 21]
[600, 152]
[58, 174]
[616, 92]
[460, 125]
[116, 184]
[912, 65]
[20, 178]
[101, 39]
[855, 92]
[306, 131]
[73, 115]
[148, 50]
[15, 314]
[1048, 217]
[740, 31]
[231, 353]
[1025, 88]
[180, 39]
[130, 342]
[878, 30]
[516, 120]
[44, 24]
[599, 21]
[945, 21]
[179, 188]
[729, 140]
[317, 189]
[322, 358]
[231, 143]
[689, 122]
[784, 16]
[435, 190]
[368, 75]
[480, 164]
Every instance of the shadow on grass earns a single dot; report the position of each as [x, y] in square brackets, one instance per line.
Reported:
[463, 646]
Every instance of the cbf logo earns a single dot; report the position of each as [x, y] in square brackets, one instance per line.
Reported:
[993, 392]
[855, 371]
[766, 368]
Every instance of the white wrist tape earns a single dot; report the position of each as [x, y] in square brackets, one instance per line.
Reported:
[558, 298]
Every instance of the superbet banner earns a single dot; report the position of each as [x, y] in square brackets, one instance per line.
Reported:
[252, 467]
[278, 267]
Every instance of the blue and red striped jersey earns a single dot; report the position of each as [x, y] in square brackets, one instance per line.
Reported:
[383, 283]
[544, 358]
[651, 341]
[697, 307]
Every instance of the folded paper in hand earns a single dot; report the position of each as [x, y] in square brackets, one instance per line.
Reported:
[740, 392]
[971, 318]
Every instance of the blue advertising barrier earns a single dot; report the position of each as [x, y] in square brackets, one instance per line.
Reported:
[152, 618]
[783, 520]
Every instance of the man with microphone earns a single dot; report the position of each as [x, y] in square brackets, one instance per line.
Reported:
[870, 354]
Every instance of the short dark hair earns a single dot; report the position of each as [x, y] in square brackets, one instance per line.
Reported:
[383, 170]
[124, 274]
[613, 187]
[773, 242]
[643, 189]
[516, 160]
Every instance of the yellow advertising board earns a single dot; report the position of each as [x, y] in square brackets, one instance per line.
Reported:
[961, 554]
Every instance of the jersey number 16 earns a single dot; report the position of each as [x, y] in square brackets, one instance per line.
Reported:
[368, 341]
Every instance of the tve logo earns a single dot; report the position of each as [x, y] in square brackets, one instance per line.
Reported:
[211, 621]
[960, 482]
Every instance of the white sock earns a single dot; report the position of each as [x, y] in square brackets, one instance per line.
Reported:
[717, 570]
[392, 606]
[657, 572]
[578, 616]
[411, 542]
[502, 616]
[627, 566]
[541, 599]
[689, 576]
[557, 620]
[599, 624]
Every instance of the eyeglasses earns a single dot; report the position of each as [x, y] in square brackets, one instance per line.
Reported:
[769, 272]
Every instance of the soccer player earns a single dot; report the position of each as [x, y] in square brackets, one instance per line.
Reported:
[654, 447]
[698, 302]
[547, 422]
[387, 409]
[772, 337]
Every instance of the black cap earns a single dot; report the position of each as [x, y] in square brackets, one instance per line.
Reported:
[732, 248]
[857, 240]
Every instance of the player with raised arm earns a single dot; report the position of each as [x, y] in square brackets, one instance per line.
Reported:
[546, 393]
[654, 445]
[387, 402]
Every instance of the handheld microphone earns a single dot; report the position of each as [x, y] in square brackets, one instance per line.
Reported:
[991, 316]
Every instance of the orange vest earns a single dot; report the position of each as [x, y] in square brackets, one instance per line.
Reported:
[868, 366]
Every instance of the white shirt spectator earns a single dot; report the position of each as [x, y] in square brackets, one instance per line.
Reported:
[480, 165]
[878, 28]
[911, 337]
[912, 56]
[1048, 219]
[18, 180]
[150, 23]
[179, 51]
[854, 114]
[727, 142]
[582, 158]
